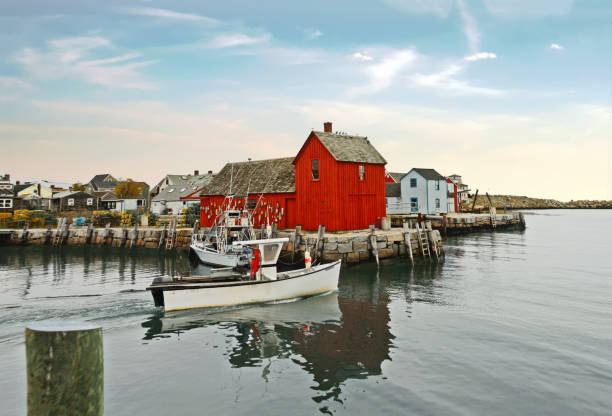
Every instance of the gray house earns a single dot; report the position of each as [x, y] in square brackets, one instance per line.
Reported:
[420, 191]
[166, 195]
[6, 193]
[74, 201]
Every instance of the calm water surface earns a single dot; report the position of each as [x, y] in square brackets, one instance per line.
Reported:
[512, 323]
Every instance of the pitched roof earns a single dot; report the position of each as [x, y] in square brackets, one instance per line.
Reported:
[109, 196]
[397, 176]
[257, 176]
[345, 148]
[393, 189]
[183, 186]
[64, 194]
[98, 181]
[429, 174]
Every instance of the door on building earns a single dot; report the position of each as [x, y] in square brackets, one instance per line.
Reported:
[290, 214]
[414, 204]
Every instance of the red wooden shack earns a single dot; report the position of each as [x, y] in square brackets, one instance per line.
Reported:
[336, 180]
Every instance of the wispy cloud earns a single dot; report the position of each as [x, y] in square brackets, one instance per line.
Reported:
[313, 33]
[358, 56]
[167, 14]
[382, 74]
[438, 7]
[529, 7]
[480, 56]
[238, 39]
[11, 82]
[556, 47]
[445, 81]
[469, 28]
[71, 58]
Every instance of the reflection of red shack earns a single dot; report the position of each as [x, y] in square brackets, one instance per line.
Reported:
[356, 348]
[335, 180]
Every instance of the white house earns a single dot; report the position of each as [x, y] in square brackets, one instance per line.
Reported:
[422, 191]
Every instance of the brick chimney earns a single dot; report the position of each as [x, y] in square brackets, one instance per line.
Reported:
[17, 183]
[210, 172]
[327, 127]
[196, 172]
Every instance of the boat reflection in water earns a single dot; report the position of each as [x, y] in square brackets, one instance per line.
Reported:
[339, 336]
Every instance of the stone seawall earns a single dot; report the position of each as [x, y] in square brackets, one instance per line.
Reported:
[465, 223]
[351, 247]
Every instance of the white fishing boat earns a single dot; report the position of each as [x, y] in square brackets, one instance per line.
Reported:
[261, 283]
[216, 248]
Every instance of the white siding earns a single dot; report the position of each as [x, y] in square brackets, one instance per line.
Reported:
[426, 194]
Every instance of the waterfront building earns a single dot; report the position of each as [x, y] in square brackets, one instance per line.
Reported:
[173, 192]
[462, 188]
[336, 180]
[74, 201]
[420, 190]
[6, 193]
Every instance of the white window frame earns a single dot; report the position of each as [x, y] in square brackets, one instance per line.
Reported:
[6, 203]
[89, 202]
[70, 202]
[437, 203]
[361, 172]
[437, 185]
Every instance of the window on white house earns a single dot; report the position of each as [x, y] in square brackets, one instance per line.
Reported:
[6, 203]
[70, 202]
[89, 201]
[413, 182]
[438, 203]
[315, 169]
[361, 172]
[437, 185]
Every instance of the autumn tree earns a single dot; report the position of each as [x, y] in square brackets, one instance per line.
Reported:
[128, 189]
[78, 187]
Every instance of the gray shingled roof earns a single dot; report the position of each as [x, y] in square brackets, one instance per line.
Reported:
[429, 174]
[98, 181]
[345, 148]
[393, 189]
[265, 176]
[182, 185]
[397, 176]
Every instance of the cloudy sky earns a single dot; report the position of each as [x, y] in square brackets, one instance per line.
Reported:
[512, 94]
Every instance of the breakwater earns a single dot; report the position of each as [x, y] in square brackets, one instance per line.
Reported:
[524, 202]
[352, 247]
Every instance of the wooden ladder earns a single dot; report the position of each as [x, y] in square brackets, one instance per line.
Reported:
[57, 238]
[423, 241]
[170, 239]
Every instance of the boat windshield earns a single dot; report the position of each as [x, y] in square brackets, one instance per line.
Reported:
[270, 252]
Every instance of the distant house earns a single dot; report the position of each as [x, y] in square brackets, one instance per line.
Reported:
[109, 201]
[74, 201]
[141, 202]
[462, 188]
[104, 182]
[170, 194]
[6, 193]
[421, 190]
[33, 195]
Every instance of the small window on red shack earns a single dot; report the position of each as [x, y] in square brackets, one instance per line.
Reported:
[361, 172]
[315, 169]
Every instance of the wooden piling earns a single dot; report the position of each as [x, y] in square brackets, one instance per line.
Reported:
[105, 234]
[65, 369]
[373, 243]
[89, 234]
[162, 236]
[407, 241]
[319, 244]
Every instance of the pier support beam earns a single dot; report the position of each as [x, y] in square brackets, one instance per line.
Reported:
[65, 368]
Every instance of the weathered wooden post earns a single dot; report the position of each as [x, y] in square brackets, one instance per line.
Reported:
[89, 233]
[407, 241]
[319, 245]
[65, 368]
[373, 243]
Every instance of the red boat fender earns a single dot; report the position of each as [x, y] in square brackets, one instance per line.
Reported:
[255, 263]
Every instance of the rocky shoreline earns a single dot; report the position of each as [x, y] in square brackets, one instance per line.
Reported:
[524, 202]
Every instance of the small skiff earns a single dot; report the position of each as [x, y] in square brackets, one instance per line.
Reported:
[262, 283]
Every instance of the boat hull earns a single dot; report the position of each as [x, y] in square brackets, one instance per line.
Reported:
[216, 259]
[307, 282]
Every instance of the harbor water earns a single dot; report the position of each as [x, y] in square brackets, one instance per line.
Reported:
[514, 322]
